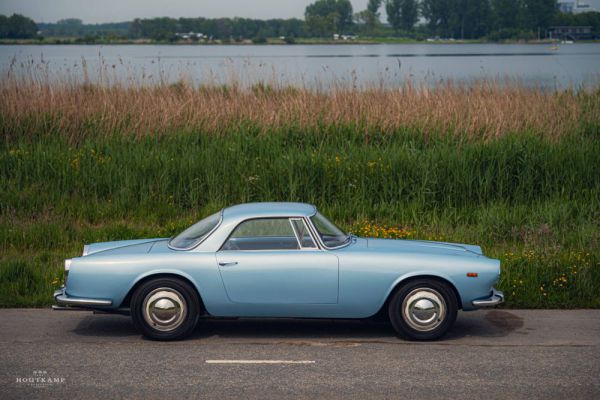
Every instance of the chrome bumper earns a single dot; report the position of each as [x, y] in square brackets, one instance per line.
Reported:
[496, 298]
[66, 302]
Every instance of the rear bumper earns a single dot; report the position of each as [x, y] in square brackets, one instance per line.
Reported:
[64, 301]
[496, 298]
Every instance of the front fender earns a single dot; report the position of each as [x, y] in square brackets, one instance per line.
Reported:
[420, 274]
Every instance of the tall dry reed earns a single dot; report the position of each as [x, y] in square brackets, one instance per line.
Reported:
[482, 110]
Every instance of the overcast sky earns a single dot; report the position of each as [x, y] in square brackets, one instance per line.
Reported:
[92, 11]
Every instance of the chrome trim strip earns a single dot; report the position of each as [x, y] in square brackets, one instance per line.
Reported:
[265, 250]
[314, 233]
[290, 220]
[300, 240]
[322, 245]
[300, 248]
[70, 308]
[496, 298]
[62, 299]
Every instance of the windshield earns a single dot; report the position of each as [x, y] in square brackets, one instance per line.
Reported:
[331, 235]
[195, 233]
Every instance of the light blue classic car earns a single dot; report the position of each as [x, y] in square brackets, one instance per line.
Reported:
[279, 260]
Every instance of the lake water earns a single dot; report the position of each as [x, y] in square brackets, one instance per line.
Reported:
[317, 66]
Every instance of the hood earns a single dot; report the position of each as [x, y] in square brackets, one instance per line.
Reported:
[424, 246]
[138, 246]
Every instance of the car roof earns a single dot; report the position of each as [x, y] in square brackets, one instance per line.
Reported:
[267, 210]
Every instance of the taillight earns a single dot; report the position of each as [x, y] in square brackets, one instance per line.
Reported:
[67, 267]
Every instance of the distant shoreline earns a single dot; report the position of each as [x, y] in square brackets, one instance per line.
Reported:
[270, 42]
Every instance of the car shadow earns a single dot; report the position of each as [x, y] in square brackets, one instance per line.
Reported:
[485, 324]
[293, 328]
[105, 325]
[490, 323]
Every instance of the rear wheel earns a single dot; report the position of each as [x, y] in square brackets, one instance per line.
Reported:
[165, 309]
[423, 309]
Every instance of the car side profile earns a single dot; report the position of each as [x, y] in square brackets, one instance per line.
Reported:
[279, 260]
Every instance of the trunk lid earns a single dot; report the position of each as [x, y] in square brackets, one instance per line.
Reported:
[120, 247]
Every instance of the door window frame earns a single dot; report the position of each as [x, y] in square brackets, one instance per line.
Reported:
[289, 219]
[298, 238]
[315, 234]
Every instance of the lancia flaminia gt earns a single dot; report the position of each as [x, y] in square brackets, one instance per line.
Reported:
[279, 260]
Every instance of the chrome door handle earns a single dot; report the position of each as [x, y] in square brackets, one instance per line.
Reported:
[227, 264]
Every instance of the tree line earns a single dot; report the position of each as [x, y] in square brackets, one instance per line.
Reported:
[17, 27]
[217, 28]
[459, 19]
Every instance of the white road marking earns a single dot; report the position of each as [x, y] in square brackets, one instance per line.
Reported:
[260, 362]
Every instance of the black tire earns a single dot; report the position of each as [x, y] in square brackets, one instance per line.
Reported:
[165, 290]
[406, 319]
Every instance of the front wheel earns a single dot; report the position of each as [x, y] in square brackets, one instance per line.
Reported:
[165, 309]
[423, 309]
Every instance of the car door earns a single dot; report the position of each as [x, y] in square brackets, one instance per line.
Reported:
[264, 262]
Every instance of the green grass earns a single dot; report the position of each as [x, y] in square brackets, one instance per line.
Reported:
[533, 202]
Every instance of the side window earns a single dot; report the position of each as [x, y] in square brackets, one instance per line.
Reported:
[263, 234]
[303, 234]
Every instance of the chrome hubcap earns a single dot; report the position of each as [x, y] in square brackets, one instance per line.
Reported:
[164, 309]
[424, 309]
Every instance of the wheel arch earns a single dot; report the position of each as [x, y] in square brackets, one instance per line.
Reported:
[407, 279]
[150, 276]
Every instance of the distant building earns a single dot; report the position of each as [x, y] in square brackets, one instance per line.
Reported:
[576, 6]
[191, 35]
[570, 32]
[566, 6]
[347, 36]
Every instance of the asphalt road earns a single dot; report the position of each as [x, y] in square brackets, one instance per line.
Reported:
[495, 354]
